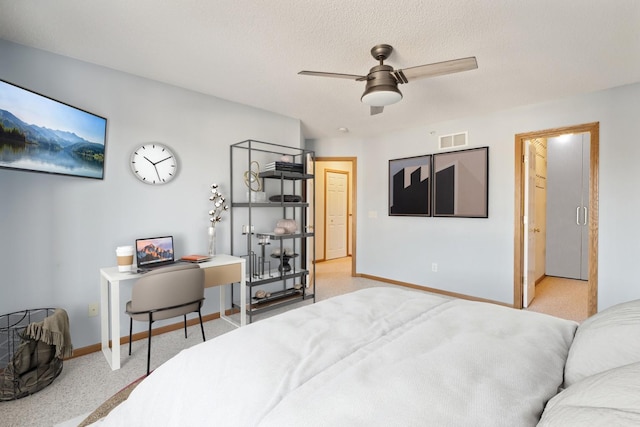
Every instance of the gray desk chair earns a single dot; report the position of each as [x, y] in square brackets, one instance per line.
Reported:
[165, 293]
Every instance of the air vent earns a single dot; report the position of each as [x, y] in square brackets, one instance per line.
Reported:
[454, 140]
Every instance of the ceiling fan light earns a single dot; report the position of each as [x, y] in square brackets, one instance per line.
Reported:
[380, 96]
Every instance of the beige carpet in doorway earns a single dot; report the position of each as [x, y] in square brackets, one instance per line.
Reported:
[560, 297]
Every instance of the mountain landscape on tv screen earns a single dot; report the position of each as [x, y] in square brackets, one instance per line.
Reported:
[20, 141]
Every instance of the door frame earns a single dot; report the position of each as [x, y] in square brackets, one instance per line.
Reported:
[352, 203]
[594, 153]
[348, 205]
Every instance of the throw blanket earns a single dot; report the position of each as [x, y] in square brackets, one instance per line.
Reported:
[375, 357]
[38, 359]
[53, 330]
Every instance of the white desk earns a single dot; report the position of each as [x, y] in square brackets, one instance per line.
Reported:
[220, 271]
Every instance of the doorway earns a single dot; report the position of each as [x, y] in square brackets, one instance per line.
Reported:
[336, 213]
[335, 189]
[522, 232]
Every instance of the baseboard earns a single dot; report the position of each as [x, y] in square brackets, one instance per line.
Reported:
[432, 290]
[83, 351]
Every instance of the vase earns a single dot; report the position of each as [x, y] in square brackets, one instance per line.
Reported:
[212, 241]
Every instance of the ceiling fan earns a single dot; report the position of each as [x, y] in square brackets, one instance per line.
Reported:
[382, 80]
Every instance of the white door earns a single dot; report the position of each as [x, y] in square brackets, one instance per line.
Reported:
[336, 193]
[529, 266]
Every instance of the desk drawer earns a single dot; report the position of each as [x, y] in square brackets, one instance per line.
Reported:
[222, 275]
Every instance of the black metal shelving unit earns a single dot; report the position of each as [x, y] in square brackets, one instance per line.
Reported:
[288, 275]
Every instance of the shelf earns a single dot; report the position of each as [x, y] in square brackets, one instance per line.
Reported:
[277, 277]
[290, 188]
[274, 236]
[269, 204]
[285, 175]
[276, 299]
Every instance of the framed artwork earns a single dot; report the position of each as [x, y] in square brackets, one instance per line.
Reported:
[461, 183]
[410, 186]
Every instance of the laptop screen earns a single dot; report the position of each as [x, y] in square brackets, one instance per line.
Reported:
[154, 251]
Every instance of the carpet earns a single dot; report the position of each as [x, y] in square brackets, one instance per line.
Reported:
[104, 409]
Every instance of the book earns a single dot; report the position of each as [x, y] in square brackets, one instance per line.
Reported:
[195, 258]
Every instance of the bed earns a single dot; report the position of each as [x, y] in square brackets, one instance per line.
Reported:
[379, 356]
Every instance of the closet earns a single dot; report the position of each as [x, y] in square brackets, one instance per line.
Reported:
[567, 231]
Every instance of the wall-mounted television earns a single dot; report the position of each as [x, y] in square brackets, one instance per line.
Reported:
[40, 134]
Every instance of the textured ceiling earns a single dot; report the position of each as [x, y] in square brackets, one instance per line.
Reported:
[250, 51]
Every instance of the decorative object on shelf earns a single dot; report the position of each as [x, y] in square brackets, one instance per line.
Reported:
[254, 183]
[263, 241]
[284, 266]
[154, 163]
[279, 231]
[286, 159]
[285, 251]
[260, 294]
[297, 286]
[284, 167]
[246, 229]
[288, 198]
[290, 225]
[215, 216]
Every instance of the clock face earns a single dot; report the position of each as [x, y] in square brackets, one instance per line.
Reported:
[154, 163]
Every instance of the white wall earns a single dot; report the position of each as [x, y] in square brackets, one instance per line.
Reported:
[475, 256]
[58, 231]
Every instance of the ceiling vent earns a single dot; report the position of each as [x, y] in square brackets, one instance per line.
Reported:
[454, 140]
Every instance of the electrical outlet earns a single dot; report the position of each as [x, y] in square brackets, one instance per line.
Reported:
[434, 267]
[93, 309]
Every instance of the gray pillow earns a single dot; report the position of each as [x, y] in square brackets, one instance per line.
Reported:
[610, 398]
[604, 341]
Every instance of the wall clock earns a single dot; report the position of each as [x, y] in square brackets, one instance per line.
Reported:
[154, 163]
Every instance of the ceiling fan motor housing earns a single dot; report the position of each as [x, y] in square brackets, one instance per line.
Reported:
[382, 87]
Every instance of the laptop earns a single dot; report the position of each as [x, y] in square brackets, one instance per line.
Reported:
[154, 252]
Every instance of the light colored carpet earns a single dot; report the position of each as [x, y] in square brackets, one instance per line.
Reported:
[564, 298]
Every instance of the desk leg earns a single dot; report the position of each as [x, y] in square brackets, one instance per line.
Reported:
[104, 318]
[243, 299]
[110, 296]
[115, 325]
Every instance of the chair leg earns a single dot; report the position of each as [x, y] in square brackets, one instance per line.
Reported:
[130, 333]
[185, 326]
[201, 326]
[149, 346]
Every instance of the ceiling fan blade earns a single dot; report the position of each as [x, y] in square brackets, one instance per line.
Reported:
[436, 69]
[376, 110]
[335, 75]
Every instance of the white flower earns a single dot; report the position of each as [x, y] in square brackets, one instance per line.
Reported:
[215, 214]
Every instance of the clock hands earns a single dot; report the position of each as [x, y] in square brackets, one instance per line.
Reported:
[167, 158]
[155, 163]
[157, 173]
[159, 161]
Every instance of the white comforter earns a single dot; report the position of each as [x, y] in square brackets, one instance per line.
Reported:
[379, 356]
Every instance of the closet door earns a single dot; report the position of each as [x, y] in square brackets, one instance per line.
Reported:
[584, 221]
[566, 206]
